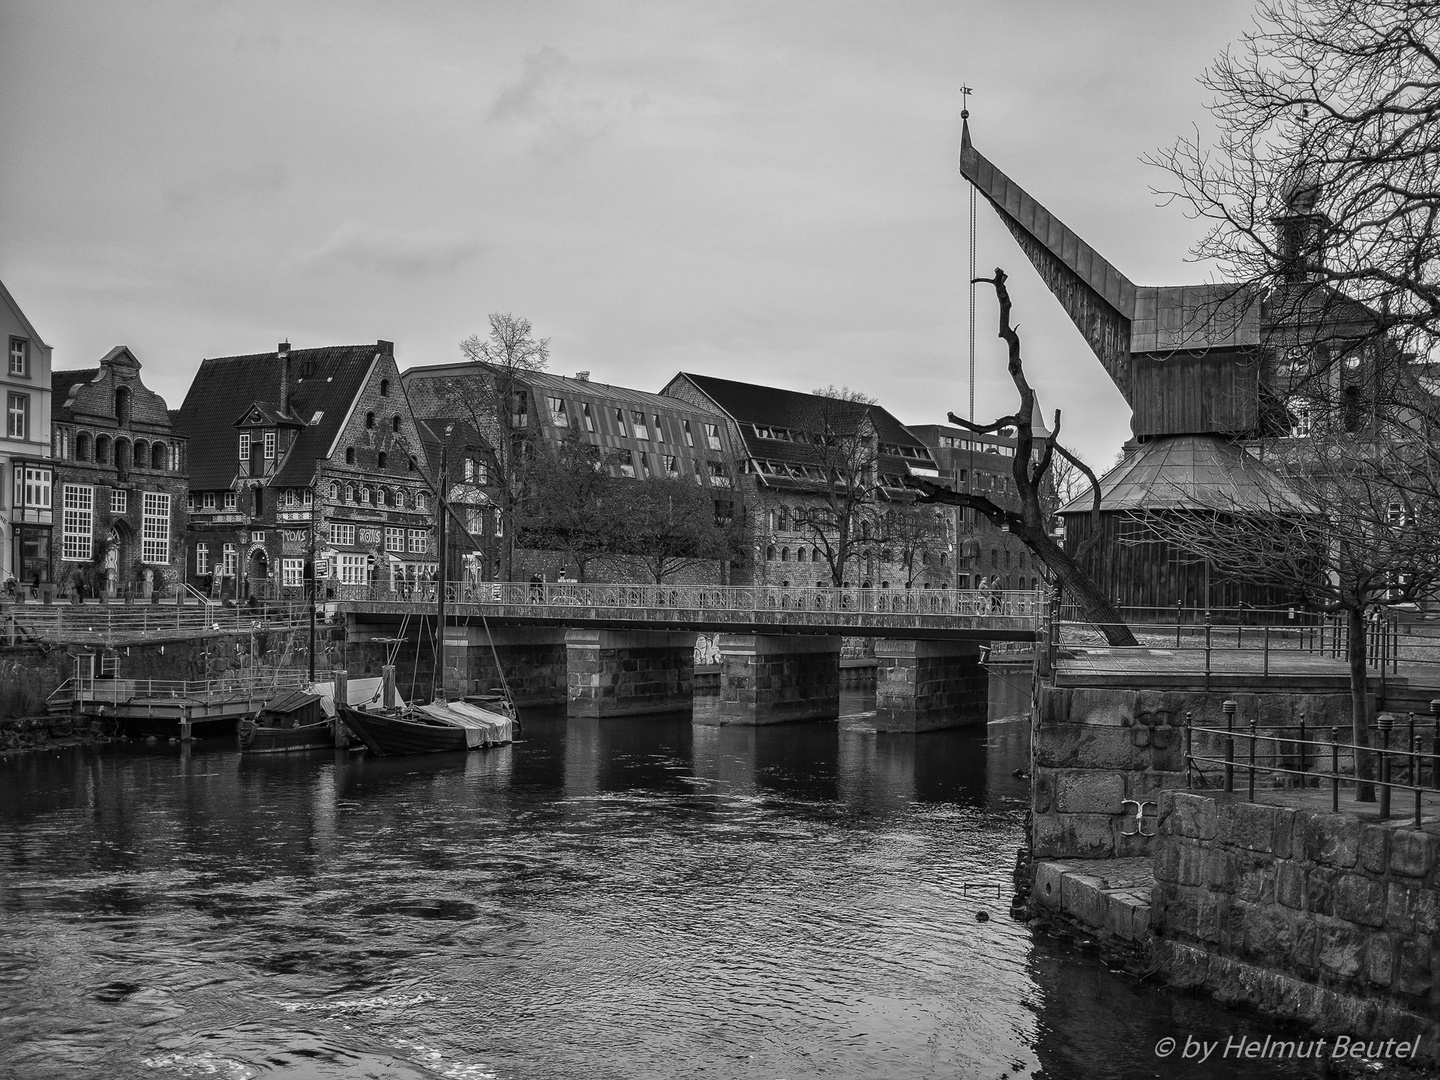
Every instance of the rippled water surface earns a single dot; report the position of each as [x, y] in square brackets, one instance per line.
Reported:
[630, 898]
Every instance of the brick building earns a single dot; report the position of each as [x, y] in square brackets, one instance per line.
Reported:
[644, 435]
[893, 543]
[118, 483]
[26, 484]
[300, 455]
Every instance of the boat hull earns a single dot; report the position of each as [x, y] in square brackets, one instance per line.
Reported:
[387, 735]
[257, 739]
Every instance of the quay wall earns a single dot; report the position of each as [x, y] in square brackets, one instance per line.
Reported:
[1308, 915]
[1100, 756]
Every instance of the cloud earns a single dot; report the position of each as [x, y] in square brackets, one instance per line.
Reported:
[228, 185]
[547, 102]
[398, 252]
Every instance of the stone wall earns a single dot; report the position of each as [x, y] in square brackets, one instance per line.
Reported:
[1101, 755]
[769, 679]
[1317, 916]
[629, 672]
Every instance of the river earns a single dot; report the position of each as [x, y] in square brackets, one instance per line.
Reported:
[635, 898]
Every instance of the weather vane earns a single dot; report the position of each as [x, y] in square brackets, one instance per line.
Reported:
[965, 93]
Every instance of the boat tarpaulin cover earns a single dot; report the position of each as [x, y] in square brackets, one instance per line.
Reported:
[481, 726]
[357, 692]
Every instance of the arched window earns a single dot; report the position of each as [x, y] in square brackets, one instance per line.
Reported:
[422, 502]
[380, 459]
[770, 553]
[334, 491]
[379, 496]
[122, 453]
[884, 584]
[83, 445]
[157, 455]
[410, 465]
[364, 494]
[102, 450]
[349, 492]
[770, 520]
[395, 424]
[369, 421]
[350, 455]
[384, 387]
[142, 454]
[784, 554]
[784, 517]
[122, 406]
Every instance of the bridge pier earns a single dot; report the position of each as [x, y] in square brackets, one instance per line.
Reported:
[629, 672]
[772, 678]
[927, 685]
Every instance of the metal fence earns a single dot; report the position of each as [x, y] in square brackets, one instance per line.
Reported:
[254, 685]
[114, 624]
[1405, 764]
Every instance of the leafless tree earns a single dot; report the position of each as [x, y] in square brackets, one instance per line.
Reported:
[1323, 187]
[911, 533]
[494, 399]
[1034, 457]
[1354, 529]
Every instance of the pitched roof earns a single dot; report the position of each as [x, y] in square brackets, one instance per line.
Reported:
[62, 382]
[542, 381]
[1194, 318]
[1190, 472]
[29, 328]
[323, 381]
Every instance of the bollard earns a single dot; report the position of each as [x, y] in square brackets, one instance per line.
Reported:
[1415, 775]
[1334, 770]
[1189, 749]
[342, 691]
[1383, 724]
[1253, 741]
[1228, 708]
[1304, 765]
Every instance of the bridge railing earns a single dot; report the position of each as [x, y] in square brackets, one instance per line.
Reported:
[83, 624]
[1017, 607]
[253, 684]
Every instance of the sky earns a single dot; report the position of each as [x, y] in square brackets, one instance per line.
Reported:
[766, 192]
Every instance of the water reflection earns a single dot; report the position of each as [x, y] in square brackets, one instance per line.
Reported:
[639, 898]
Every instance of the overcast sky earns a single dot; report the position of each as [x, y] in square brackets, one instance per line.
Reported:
[760, 191]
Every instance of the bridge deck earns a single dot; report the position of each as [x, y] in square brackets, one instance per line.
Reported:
[934, 614]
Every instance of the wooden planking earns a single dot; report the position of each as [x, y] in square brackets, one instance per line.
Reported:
[1195, 393]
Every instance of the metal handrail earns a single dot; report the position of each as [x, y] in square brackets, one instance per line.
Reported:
[1412, 760]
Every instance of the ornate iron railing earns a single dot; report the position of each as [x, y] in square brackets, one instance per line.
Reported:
[114, 624]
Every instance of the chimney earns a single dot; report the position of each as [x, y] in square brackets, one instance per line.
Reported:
[284, 353]
[582, 376]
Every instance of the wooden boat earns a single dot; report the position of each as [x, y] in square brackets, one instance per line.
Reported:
[431, 729]
[294, 721]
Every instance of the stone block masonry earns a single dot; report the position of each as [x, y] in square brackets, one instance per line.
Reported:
[628, 673]
[770, 679]
[927, 685]
[1101, 755]
[1326, 918]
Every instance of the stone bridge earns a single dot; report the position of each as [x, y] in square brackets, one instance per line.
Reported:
[625, 649]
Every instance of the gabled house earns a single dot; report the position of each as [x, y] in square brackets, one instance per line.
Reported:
[797, 452]
[305, 457]
[119, 483]
[26, 482]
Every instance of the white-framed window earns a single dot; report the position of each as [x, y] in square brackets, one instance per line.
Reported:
[174, 457]
[350, 493]
[244, 446]
[155, 527]
[626, 460]
[202, 559]
[119, 500]
[394, 538]
[1301, 417]
[307, 498]
[350, 569]
[419, 541]
[712, 436]
[689, 435]
[659, 431]
[17, 416]
[588, 416]
[269, 446]
[20, 357]
[32, 487]
[672, 466]
[77, 523]
[477, 472]
[230, 500]
[637, 421]
[620, 423]
[229, 560]
[342, 534]
[422, 502]
[292, 571]
[208, 500]
[364, 494]
[558, 416]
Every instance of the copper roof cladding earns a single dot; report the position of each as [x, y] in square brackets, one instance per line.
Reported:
[324, 380]
[1190, 472]
[1194, 318]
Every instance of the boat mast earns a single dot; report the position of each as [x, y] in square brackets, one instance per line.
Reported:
[441, 512]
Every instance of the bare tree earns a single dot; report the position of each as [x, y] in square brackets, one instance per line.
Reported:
[570, 502]
[494, 399]
[1354, 529]
[671, 524]
[1323, 187]
[911, 533]
[1030, 468]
